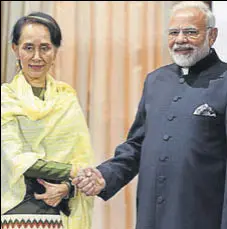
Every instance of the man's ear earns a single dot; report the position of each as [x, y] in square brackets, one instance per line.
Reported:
[15, 50]
[213, 35]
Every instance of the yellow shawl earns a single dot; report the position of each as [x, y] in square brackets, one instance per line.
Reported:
[54, 130]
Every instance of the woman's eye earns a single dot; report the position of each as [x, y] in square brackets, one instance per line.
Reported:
[28, 48]
[45, 48]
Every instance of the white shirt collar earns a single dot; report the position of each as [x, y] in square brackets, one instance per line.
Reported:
[185, 71]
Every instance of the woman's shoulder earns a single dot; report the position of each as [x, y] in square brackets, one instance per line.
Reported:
[6, 89]
[4, 86]
[10, 87]
[64, 87]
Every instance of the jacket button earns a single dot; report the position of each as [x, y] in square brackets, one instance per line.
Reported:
[163, 158]
[171, 117]
[176, 98]
[161, 179]
[160, 199]
[166, 137]
[181, 80]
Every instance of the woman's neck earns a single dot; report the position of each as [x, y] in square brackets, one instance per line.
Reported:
[36, 82]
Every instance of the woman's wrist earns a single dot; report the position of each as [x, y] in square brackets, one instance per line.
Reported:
[73, 172]
[68, 188]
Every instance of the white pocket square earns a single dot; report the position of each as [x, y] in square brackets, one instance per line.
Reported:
[204, 110]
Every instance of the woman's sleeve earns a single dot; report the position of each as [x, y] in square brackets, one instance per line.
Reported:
[14, 152]
[49, 170]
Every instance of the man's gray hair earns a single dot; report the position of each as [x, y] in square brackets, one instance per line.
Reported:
[199, 5]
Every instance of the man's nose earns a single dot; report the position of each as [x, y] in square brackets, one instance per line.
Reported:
[181, 38]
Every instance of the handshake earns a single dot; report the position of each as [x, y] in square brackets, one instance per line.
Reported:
[89, 181]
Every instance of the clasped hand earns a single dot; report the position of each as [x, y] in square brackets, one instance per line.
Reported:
[89, 181]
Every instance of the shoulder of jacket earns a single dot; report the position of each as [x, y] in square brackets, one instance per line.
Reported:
[151, 76]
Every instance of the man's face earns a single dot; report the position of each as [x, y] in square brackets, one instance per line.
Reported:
[188, 38]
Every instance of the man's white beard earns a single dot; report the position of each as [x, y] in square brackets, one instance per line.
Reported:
[191, 58]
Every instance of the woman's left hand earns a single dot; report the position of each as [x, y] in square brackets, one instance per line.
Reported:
[54, 192]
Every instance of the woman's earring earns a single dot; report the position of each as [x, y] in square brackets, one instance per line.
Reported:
[18, 65]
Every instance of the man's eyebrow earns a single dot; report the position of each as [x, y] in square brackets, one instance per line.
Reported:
[186, 28]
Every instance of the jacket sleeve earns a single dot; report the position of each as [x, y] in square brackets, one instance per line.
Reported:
[124, 166]
[224, 212]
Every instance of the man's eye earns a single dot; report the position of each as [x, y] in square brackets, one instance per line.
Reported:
[191, 32]
[173, 33]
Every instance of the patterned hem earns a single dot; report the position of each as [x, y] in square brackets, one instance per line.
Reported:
[20, 221]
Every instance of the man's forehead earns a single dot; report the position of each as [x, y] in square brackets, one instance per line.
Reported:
[188, 18]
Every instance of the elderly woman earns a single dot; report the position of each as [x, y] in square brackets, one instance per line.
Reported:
[45, 139]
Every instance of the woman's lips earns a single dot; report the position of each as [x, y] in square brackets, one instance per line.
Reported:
[36, 67]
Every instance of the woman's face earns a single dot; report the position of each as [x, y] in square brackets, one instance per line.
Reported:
[35, 51]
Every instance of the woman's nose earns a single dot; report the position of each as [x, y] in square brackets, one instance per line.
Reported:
[36, 55]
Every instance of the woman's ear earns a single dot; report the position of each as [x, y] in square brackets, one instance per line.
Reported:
[15, 50]
[55, 52]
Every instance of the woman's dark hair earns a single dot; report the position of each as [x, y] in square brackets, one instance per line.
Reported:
[40, 18]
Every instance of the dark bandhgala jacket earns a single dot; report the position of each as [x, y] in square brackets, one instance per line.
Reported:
[178, 147]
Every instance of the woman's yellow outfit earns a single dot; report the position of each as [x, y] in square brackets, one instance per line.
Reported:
[52, 130]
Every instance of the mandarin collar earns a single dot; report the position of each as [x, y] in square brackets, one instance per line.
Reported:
[211, 59]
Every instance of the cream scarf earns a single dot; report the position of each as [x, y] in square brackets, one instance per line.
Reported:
[54, 130]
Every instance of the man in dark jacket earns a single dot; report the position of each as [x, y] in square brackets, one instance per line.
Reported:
[178, 141]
